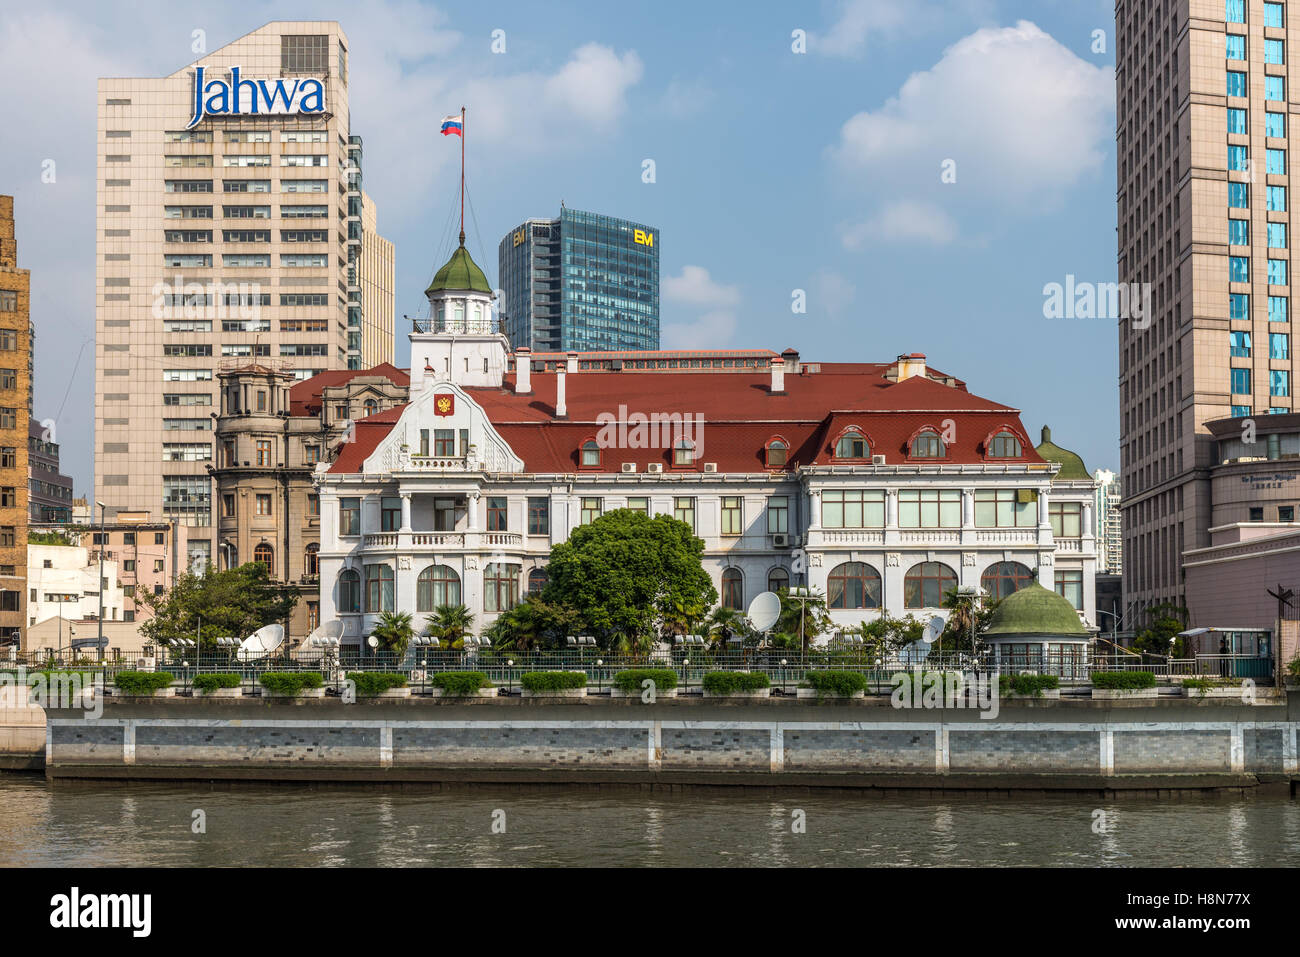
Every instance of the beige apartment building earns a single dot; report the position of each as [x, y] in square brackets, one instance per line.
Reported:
[229, 226]
[1203, 98]
[378, 290]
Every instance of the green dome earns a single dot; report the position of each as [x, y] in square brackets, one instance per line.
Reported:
[1035, 610]
[1072, 466]
[461, 273]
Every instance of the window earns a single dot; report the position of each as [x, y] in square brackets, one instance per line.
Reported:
[500, 587]
[228, 505]
[1274, 52]
[537, 579]
[6, 535]
[1239, 195]
[777, 579]
[8, 457]
[733, 589]
[1240, 411]
[349, 516]
[1279, 382]
[1235, 11]
[496, 513]
[263, 452]
[313, 505]
[8, 496]
[539, 516]
[1239, 344]
[852, 445]
[1275, 162]
[1236, 84]
[1286, 513]
[128, 538]
[264, 505]
[1070, 584]
[1239, 232]
[436, 585]
[1277, 235]
[379, 588]
[590, 511]
[778, 453]
[1005, 578]
[590, 454]
[853, 585]
[1066, 519]
[311, 454]
[778, 515]
[444, 442]
[853, 508]
[732, 515]
[128, 565]
[1238, 305]
[684, 510]
[639, 503]
[1279, 345]
[1277, 272]
[1004, 445]
[1006, 508]
[683, 453]
[928, 445]
[1238, 158]
[1272, 15]
[1257, 514]
[390, 513]
[8, 340]
[925, 585]
[311, 560]
[1276, 199]
[1237, 121]
[1236, 47]
[264, 555]
[1277, 311]
[929, 508]
[1275, 89]
[8, 301]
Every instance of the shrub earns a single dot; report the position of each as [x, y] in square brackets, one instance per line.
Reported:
[838, 683]
[459, 682]
[1293, 668]
[665, 679]
[211, 682]
[290, 682]
[371, 683]
[729, 682]
[552, 680]
[1029, 684]
[1123, 680]
[141, 682]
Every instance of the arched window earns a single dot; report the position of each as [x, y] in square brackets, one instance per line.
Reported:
[537, 579]
[928, 445]
[733, 589]
[777, 579]
[371, 406]
[311, 560]
[500, 587]
[436, 585]
[264, 554]
[852, 444]
[683, 452]
[778, 453]
[853, 585]
[379, 588]
[925, 585]
[1004, 445]
[590, 454]
[349, 591]
[1005, 578]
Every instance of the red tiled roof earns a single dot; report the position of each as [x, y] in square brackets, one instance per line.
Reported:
[739, 413]
[305, 396]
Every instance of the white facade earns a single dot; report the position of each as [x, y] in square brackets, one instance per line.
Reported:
[62, 580]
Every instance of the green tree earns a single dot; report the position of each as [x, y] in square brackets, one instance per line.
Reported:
[724, 623]
[232, 603]
[886, 636]
[807, 617]
[956, 636]
[681, 618]
[533, 624]
[1160, 637]
[450, 624]
[394, 633]
[626, 572]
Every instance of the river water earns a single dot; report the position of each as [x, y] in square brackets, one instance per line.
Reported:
[290, 825]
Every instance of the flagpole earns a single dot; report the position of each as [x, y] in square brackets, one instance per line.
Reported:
[462, 176]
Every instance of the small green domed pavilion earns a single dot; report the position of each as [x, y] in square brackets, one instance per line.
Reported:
[1071, 463]
[1037, 629]
[460, 274]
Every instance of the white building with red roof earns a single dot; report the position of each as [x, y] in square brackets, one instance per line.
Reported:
[880, 485]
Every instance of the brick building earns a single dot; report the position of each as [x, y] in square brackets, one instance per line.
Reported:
[15, 416]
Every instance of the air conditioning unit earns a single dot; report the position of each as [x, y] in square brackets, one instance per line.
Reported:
[781, 541]
[654, 468]
[877, 460]
[629, 466]
[710, 466]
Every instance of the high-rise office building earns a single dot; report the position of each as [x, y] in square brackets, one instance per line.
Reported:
[1203, 160]
[1110, 527]
[378, 289]
[15, 418]
[582, 282]
[49, 490]
[230, 227]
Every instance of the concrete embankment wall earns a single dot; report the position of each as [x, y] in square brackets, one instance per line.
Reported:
[1036, 745]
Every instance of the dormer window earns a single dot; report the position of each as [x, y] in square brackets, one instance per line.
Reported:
[852, 444]
[684, 453]
[928, 445]
[590, 454]
[778, 453]
[1004, 445]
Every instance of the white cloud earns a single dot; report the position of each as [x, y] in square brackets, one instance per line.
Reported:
[714, 329]
[831, 294]
[1018, 112]
[902, 221]
[594, 83]
[696, 287]
[858, 20]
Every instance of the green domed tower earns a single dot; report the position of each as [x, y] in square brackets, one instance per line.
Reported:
[1072, 466]
[460, 274]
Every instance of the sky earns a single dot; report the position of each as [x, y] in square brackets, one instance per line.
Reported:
[915, 173]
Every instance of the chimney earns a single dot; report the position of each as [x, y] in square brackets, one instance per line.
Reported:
[791, 357]
[561, 407]
[523, 371]
[778, 376]
[572, 362]
[912, 364]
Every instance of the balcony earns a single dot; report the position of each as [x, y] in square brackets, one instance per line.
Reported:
[443, 541]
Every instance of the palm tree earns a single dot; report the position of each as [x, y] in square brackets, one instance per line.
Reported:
[723, 623]
[450, 624]
[394, 633]
[680, 618]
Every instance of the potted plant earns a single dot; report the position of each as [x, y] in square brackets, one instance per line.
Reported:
[218, 685]
[736, 684]
[293, 684]
[379, 684]
[832, 684]
[631, 683]
[144, 684]
[1213, 688]
[554, 684]
[1030, 686]
[461, 684]
[1110, 685]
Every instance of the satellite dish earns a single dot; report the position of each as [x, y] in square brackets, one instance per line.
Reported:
[329, 629]
[764, 610]
[261, 643]
[372, 641]
[933, 629]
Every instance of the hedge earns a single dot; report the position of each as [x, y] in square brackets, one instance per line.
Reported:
[1029, 684]
[459, 682]
[552, 680]
[838, 683]
[211, 682]
[1123, 680]
[290, 682]
[665, 679]
[730, 682]
[142, 682]
[371, 683]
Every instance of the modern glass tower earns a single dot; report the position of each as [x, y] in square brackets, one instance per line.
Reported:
[583, 282]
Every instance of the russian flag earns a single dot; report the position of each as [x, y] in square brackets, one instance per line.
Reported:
[452, 124]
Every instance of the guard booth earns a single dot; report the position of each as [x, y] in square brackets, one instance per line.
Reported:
[1230, 652]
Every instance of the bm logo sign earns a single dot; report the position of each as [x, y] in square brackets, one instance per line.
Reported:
[520, 237]
[642, 238]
